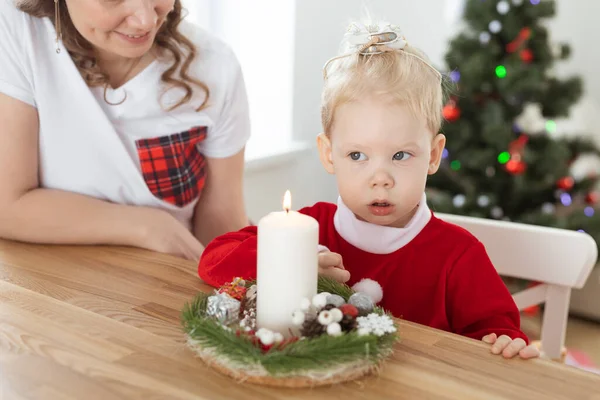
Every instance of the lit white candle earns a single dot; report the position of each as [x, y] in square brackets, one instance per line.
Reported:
[287, 266]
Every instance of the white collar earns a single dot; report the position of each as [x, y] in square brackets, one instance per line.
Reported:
[378, 239]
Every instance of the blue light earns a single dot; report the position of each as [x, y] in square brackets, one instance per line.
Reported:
[589, 212]
[565, 199]
[445, 153]
[534, 2]
[455, 76]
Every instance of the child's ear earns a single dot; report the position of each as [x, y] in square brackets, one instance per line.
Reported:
[437, 149]
[324, 144]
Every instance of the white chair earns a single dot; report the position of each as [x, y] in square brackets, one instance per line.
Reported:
[560, 259]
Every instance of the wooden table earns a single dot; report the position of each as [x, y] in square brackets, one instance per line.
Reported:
[103, 323]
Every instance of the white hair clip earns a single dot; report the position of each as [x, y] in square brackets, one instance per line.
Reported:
[375, 38]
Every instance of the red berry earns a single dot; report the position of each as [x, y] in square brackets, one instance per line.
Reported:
[265, 347]
[349, 309]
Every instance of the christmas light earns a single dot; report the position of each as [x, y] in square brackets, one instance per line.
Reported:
[455, 76]
[550, 126]
[503, 7]
[495, 26]
[459, 200]
[501, 71]
[589, 212]
[566, 199]
[503, 157]
[580, 230]
[455, 165]
[534, 2]
[484, 37]
[445, 153]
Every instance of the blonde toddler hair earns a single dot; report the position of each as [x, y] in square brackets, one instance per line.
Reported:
[404, 74]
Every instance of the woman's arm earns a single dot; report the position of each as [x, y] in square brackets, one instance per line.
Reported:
[221, 205]
[32, 214]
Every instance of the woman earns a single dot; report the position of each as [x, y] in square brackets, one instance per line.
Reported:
[118, 125]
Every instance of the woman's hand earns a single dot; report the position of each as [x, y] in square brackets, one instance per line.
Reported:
[331, 265]
[165, 234]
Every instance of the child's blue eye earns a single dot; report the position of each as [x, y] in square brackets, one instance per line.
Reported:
[357, 156]
[401, 156]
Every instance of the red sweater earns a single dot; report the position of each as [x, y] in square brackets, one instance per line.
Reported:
[443, 278]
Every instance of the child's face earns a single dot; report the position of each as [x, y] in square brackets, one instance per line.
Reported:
[381, 155]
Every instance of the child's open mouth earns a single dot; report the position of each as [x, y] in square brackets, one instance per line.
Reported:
[381, 208]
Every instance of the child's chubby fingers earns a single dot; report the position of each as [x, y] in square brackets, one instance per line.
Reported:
[490, 339]
[501, 344]
[330, 259]
[529, 352]
[336, 273]
[514, 348]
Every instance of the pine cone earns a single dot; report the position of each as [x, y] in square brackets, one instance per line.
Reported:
[248, 302]
[312, 328]
[348, 323]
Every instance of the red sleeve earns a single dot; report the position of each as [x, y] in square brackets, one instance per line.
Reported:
[233, 254]
[229, 256]
[478, 302]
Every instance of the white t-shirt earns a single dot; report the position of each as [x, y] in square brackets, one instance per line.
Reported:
[135, 153]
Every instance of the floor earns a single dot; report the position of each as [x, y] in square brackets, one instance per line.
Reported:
[582, 335]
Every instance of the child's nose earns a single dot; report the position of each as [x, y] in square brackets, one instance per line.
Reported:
[382, 179]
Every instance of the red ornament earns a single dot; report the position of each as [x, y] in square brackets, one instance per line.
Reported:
[235, 289]
[516, 167]
[451, 112]
[513, 46]
[592, 198]
[565, 183]
[526, 56]
[518, 145]
[349, 309]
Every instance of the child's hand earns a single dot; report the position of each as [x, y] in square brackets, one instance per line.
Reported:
[331, 265]
[510, 348]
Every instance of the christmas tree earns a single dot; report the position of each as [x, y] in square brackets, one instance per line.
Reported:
[504, 158]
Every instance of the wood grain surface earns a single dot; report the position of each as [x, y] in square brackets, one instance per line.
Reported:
[103, 323]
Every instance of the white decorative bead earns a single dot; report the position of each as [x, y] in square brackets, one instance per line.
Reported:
[336, 314]
[298, 318]
[278, 337]
[319, 301]
[305, 304]
[325, 318]
[334, 329]
[267, 338]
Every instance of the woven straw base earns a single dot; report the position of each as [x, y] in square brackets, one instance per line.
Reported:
[342, 374]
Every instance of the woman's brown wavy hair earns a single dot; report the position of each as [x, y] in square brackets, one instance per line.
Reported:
[168, 39]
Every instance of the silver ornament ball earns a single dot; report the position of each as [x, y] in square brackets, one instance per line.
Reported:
[335, 300]
[362, 302]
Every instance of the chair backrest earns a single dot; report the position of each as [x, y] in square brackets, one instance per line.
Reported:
[560, 259]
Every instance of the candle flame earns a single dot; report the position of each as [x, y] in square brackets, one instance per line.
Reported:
[287, 201]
